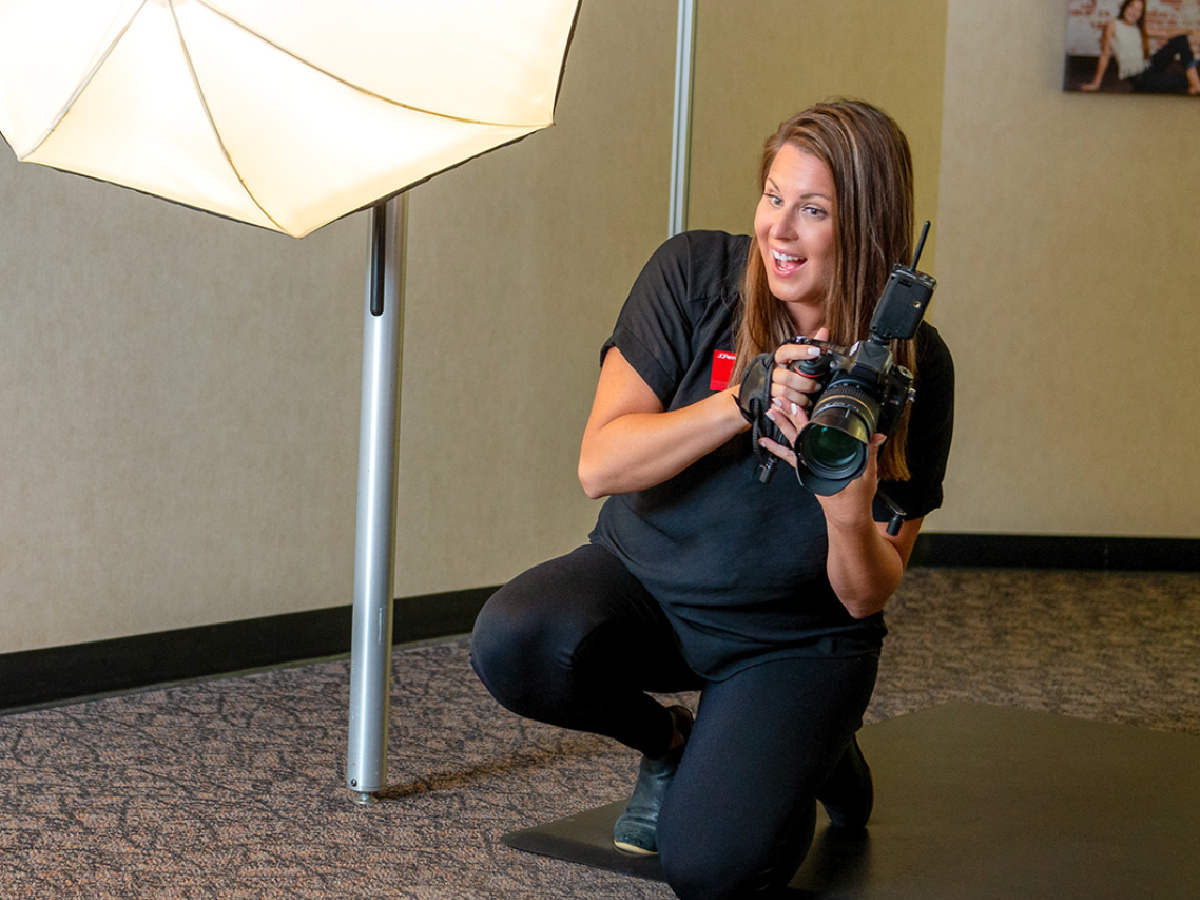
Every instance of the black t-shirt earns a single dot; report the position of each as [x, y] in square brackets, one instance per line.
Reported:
[739, 566]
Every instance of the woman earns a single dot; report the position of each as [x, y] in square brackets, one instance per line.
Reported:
[765, 598]
[1128, 38]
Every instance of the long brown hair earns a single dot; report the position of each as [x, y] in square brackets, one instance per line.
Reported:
[871, 163]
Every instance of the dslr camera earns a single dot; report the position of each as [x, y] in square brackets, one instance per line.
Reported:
[862, 389]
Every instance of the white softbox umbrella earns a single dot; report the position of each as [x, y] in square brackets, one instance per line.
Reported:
[289, 114]
[283, 113]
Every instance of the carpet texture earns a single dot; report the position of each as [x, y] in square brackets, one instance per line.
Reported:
[233, 788]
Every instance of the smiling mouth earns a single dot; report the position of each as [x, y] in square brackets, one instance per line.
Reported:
[785, 264]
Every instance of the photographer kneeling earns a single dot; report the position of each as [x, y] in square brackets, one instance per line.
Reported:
[699, 575]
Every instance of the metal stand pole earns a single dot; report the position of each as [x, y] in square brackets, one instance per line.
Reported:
[375, 530]
[681, 141]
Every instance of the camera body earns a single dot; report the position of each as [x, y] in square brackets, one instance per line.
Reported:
[863, 390]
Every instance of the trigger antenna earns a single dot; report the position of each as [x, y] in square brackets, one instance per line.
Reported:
[920, 245]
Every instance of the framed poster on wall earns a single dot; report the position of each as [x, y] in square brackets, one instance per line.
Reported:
[1133, 47]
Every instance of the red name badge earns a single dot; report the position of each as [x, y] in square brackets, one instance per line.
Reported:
[722, 369]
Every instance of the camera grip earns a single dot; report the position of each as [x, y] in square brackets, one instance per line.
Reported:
[754, 396]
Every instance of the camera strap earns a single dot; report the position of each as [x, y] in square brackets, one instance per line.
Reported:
[754, 399]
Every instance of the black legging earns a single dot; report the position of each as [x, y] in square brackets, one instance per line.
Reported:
[1156, 79]
[577, 642]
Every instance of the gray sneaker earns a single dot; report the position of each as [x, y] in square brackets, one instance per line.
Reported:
[636, 829]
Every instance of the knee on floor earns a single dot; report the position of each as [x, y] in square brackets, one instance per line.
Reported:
[735, 865]
[725, 876]
[720, 882]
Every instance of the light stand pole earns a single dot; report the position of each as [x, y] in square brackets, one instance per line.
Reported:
[681, 140]
[375, 527]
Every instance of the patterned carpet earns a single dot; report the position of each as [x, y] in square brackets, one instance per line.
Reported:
[233, 788]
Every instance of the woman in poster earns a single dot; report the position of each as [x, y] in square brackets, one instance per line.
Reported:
[1127, 37]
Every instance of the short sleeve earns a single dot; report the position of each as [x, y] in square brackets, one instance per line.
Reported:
[930, 428]
[653, 330]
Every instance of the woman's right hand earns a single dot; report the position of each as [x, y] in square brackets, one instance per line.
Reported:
[792, 391]
[792, 395]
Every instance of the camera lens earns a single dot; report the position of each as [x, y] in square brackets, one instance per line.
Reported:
[831, 452]
[833, 445]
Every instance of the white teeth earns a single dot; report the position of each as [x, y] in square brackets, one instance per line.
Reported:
[783, 257]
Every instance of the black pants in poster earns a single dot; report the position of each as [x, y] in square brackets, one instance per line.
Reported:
[1156, 78]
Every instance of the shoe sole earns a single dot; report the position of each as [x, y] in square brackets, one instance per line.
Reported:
[634, 849]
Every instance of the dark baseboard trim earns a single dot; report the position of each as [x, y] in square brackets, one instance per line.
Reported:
[61, 674]
[1036, 551]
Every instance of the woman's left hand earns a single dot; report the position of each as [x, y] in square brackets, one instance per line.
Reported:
[790, 404]
[865, 564]
[851, 505]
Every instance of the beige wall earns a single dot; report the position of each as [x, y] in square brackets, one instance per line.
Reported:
[758, 63]
[1064, 241]
[179, 394]
[177, 425]
[1069, 285]
[518, 264]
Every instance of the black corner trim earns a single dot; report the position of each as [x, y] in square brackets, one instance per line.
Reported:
[58, 674]
[1036, 551]
[61, 674]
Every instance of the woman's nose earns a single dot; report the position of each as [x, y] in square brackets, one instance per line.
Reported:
[783, 228]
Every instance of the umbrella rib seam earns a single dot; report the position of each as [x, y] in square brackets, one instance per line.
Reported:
[212, 123]
[83, 84]
[358, 88]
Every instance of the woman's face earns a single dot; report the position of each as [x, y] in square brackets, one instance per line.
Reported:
[794, 228]
[1133, 12]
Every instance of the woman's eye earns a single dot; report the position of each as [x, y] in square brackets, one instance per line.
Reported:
[814, 212]
[774, 199]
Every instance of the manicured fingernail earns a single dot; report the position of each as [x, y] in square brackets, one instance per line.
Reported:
[814, 351]
[795, 409]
